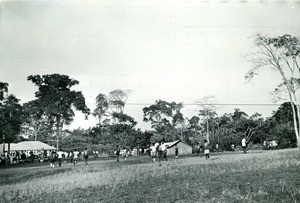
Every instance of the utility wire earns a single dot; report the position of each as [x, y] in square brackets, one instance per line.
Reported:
[210, 104]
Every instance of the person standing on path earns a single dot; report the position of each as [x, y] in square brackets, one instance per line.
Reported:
[52, 159]
[217, 147]
[164, 147]
[86, 155]
[153, 151]
[75, 156]
[118, 153]
[159, 152]
[206, 149]
[176, 151]
[60, 157]
[244, 145]
[71, 156]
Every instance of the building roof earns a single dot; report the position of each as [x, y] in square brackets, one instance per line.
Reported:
[171, 144]
[6, 147]
[31, 146]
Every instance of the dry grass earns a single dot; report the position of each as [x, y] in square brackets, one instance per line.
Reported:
[259, 177]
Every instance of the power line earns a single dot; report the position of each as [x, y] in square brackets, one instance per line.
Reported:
[209, 104]
[215, 104]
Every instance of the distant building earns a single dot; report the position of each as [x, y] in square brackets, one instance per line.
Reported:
[27, 146]
[6, 147]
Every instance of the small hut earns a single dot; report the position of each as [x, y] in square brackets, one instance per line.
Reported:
[183, 148]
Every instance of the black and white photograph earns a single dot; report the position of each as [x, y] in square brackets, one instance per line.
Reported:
[150, 101]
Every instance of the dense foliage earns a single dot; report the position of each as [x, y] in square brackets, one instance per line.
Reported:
[43, 118]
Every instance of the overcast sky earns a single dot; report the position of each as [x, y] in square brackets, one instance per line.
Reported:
[179, 51]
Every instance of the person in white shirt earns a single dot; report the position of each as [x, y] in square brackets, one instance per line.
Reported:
[66, 157]
[153, 151]
[206, 149]
[244, 146]
[60, 156]
[75, 156]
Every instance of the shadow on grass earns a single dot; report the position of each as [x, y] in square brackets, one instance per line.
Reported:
[21, 176]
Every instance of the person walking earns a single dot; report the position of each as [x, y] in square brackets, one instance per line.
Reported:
[217, 147]
[118, 153]
[206, 149]
[66, 157]
[60, 157]
[176, 151]
[164, 147]
[86, 155]
[124, 153]
[71, 156]
[244, 145]
[52, 159]
[159, 152]
[75, 156]
[153, 151]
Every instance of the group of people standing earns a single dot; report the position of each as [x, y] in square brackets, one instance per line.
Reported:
[121, 152]
[67, 157]
[159, 150]
[207, 148]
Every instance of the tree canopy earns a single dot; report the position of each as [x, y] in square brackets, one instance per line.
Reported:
[56, 99]
[281, 54]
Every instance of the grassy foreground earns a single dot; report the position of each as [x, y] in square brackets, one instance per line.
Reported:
[271, 176]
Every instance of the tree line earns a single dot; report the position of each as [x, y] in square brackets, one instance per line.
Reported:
[43, 119]
[55, 101]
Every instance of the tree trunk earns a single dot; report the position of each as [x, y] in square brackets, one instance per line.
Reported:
[57, 132]
[296, 114]
[297, 129]
[100, 127]
[3, 136]
[207, 132]
[8, 147]
[181, 134]
[35, 136]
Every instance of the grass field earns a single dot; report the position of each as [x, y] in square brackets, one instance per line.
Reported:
[269, 176]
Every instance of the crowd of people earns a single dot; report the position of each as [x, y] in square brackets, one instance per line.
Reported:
[53, 156]
[69, 157]
[16, 157]
[157, 151]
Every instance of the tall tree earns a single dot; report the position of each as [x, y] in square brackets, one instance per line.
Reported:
[36, 124]
[11, 121]
[101, 107]
[122, 131]
[117, 99]
[281, 54]
[284, 113]
[238, 114]
[101, 111]
[207, 110]
[3, 90]
[193, 130]
[164, 116]
[57, 98]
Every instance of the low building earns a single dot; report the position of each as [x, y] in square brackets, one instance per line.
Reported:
[28, 146]
[6, 147]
